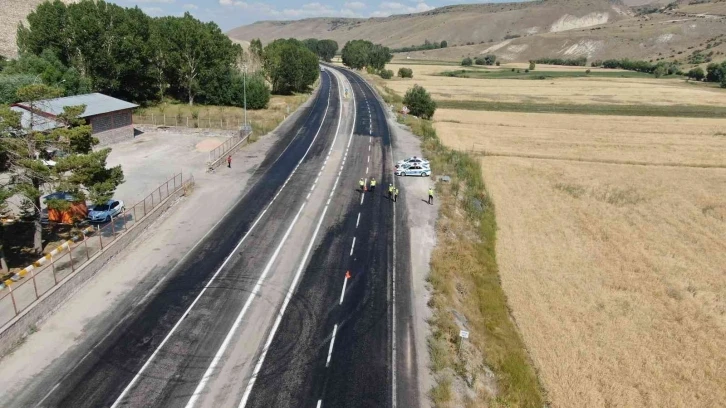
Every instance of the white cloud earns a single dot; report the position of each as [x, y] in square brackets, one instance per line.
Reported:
[387, 8]
[152, 1]
[190, 7]
[355, 5]
[236, 3]
[346, 12]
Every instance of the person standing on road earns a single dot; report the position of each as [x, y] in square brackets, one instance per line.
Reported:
[431, 195]
[373, 185]
[390, 191]
[362, 185]
[395, 195]
[229, 161]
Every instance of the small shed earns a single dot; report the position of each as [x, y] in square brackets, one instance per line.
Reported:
[110, 118]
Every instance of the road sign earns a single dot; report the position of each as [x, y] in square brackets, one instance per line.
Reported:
[464, 334]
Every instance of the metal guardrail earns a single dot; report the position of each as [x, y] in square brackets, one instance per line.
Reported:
[29, 284]
[209, 122]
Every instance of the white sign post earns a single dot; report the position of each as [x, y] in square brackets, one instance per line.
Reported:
[463, 334]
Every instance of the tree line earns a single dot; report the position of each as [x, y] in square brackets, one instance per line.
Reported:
[324, 49]
[427, 45]
[359, 54]
[572, 62]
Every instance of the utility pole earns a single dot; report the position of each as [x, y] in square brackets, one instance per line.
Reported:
[244, 91]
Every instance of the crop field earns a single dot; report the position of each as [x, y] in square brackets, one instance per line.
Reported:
[582, 91]
[610, 241]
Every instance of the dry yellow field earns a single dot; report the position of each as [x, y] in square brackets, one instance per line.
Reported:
[620, 139]
[615, 276]
[612, 234]
[628, 91]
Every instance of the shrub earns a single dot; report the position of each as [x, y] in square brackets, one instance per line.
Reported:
[490, 59]
[386, 74]
[660, 71]
[587, 72]
[532, 65]
[466, 62]
[497, 63]
[405, 72]
[696, 73]
[479, 61]
[419, 102]
[526, 71]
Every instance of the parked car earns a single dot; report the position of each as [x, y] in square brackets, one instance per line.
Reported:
[412, 160]
[105, 212]
[413, 170]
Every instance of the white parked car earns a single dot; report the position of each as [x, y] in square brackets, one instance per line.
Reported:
[412, 160]
[105, 212]
[413, 170]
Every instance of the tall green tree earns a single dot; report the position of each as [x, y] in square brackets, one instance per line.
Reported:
[355, 53]
[83, 172]
[327, 49]
[290, 66]
[379, 56]
[419, 102]
[256, 47]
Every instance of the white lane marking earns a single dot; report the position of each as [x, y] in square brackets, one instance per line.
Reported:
[48, 395]
[369, 148]
[352, 247]
[220, 352]
[291, 289]
[366, 170]
[319, 403]
[342, 292]
[332, 341]
[369, 158]
[199, 296]
[357, 221]
[362, 197]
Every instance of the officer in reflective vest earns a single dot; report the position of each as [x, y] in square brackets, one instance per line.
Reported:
[373, 185]
[431, 195]
[395, 194]
[390, 191]
[362, 185]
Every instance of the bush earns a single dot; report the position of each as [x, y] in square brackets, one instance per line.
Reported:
[497, 63]
[532, 65]
[466, 62]
[697, 74]
[405, 72]
[258, 94]
[419, 102]
[478, 61]
[526, 71]
[490, 59]
[659, 72]
[386, 74]
[587, 71]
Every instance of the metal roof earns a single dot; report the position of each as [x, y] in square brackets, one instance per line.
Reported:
[40, 122]
[96, 104]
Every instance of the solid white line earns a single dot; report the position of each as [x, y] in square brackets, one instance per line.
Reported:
[342, 292]
[220, 352]
[224, 263]
[352, 246]
[332, 341]
[358, 221]
[319, 403]
[292, 287]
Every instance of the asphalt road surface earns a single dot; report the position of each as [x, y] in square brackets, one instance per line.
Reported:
[260, 313]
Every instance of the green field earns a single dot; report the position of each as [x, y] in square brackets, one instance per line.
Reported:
[541, 75]
[687, 111]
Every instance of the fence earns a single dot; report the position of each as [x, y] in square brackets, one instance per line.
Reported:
[228, 144]
[219, 122]
[31, 283]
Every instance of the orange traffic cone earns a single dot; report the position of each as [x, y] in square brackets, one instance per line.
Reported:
[347, 275]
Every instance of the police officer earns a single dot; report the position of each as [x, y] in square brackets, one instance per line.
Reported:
[390, 191]
[395, 194]
[373, 185]
[431, 195]
[362, 185]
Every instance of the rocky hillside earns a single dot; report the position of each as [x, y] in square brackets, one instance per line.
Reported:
[13, 13]
[596, 29]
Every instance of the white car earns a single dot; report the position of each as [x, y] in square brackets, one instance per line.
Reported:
[105, 212]
[413, 170]
[412, 160]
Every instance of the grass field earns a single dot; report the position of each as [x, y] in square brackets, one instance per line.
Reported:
[539, 75]
[262, 120]
[610, 240]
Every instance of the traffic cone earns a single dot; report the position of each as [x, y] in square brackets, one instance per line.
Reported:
[347, 275]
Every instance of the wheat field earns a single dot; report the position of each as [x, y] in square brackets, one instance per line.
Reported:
[615, 277]
[611, 244]
[595, 90]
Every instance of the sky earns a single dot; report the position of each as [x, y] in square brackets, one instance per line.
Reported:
[229, 14]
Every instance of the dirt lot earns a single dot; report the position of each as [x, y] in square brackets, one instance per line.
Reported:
[610, 244]
[563, 90]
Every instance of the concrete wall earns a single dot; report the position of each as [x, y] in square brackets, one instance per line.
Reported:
[15, 330]
[112, 127]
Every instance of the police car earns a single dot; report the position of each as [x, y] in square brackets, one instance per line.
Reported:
[414, 170]
[411, 161]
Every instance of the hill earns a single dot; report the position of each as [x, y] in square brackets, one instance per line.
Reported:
[597, 29]
[13, 13]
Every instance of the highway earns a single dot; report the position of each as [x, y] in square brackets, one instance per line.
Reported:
[261, 312]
